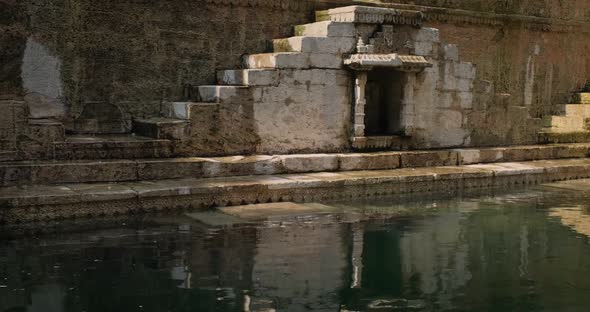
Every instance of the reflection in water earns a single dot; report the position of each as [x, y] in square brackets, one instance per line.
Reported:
[507, 252]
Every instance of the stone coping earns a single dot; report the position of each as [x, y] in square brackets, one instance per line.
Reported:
[45, 203]
[86, 171]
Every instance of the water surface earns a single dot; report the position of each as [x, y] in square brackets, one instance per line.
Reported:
[518, 250]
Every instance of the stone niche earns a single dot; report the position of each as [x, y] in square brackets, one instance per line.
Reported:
[383, 97]
[410, 90]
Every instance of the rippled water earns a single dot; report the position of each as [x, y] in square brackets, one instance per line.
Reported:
[524, 250]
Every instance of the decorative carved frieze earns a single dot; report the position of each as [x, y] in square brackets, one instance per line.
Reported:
[296, 5]
[399, 62]
[375, 15]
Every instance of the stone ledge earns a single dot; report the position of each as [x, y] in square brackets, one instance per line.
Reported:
[50, 172]
[45, 203]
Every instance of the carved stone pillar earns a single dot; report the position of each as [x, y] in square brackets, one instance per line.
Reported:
[360, 102]
[408, 109]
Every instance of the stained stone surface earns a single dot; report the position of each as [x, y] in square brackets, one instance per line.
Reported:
[131, 58]
[113, 170]
[43, 202]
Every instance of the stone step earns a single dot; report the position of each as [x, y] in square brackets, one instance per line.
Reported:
[572, 110]
[565, 123]
[111, 147]
[315, 45]
[44, 203]
[326, 29]
[185, 110]
[248, 77]
[555, 137]
[224, 94]
[40, 137]
[277, 60]
[292, 60]
[161, 128]
[90, 171]
[49, 128]
[581, 98]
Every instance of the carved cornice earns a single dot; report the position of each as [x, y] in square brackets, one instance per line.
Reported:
[411, 63]
[374, 15]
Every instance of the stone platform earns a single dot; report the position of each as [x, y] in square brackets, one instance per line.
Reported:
[128, 170]
[81, 200]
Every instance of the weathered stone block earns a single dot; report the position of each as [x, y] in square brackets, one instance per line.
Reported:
[326, 29]
[109, 171]
[161, 128]
[448, 81]
[491, 155]
[465, 100]
[219, 94]
[464, 85]
[576, 109]
[423, 48]
[277, 60]
[581, 98]
[465, 70]
[310, 163]
[570, 123]
[171, 168]
[429, 159]
[571, 151]
[468, 156]
[373, 161]
[427, 34]
[179, 110]
[446, 99]
[527, 153]
[451, 52]
[330, 61]
[248, 77]
[240, 166]
[315, 45]
[328, 77]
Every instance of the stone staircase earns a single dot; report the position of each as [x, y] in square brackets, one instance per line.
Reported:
[46, 139]
[317, 46]
[571, 124]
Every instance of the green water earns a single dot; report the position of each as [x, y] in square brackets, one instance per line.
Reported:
[519, 250]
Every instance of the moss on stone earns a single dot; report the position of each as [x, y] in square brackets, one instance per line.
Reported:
[300, 30]
[321, 16]
[282, 45]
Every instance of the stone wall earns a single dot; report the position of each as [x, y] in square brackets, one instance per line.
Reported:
[562, 9]
[64, 56]
[132, 55]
